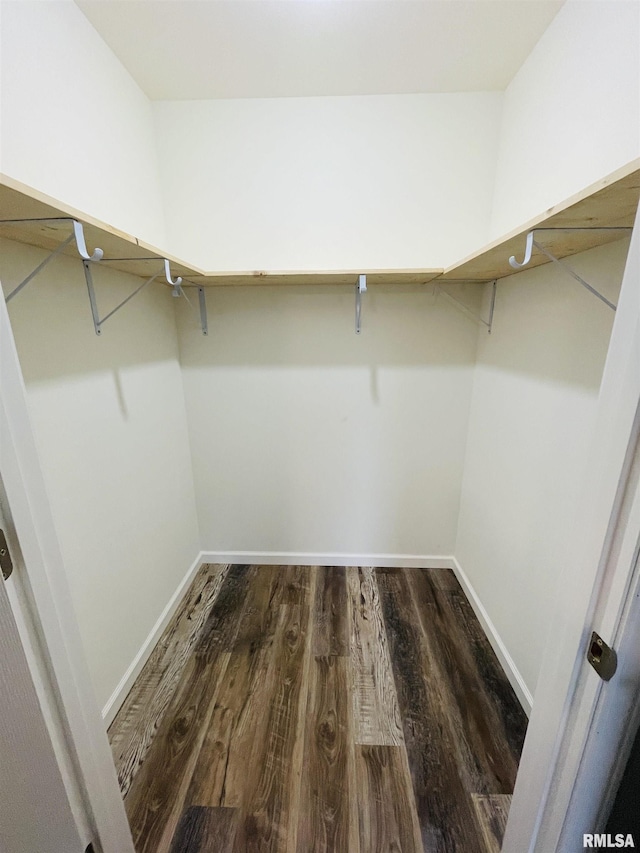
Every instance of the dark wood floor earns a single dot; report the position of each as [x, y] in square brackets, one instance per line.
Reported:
[302, 709]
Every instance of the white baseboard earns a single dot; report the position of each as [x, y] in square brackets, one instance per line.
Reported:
[126, 682]
[511, 670]
[291, 558]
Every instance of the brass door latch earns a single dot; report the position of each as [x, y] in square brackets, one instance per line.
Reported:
[602, 657]
[6, 563]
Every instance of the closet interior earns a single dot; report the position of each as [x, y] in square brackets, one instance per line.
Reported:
[313, 516]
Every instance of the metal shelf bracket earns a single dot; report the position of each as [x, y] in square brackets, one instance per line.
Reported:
[98, 321]
[361, 287]
[202, 303]
[532, 243]
[203, 310]
[77, 235]
[466, 310]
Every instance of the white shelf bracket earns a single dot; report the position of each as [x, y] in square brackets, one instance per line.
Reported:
[99, 321]
[203, 310]
[77, 235]
[532, 243]
[464, 308]
[178, 290]
[361, 287]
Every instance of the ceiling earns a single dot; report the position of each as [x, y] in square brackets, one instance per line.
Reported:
[193, 49]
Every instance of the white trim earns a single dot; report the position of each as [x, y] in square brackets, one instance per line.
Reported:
[53, 612]
[114, 702]
[508, 664]
[306, 558]
[550, 766]
[268, 558]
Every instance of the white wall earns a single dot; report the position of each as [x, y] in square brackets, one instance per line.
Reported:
[109, 419]
[308, 438]
[572, 112]
[328, 183]
[534, 398]
[73, 124]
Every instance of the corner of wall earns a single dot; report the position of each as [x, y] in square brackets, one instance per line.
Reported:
[502, 653]
[115, 701]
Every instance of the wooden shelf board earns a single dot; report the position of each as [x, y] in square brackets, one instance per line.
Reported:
[611, 202]
[20, 202]
[318, 277]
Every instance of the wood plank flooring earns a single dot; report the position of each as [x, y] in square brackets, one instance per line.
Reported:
[296, 709]
[492, 811]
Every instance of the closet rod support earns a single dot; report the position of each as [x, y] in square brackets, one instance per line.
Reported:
[77, 235]
[167, 274]
[532, 242]
[166, 271]
[361, 287]
[528, 251]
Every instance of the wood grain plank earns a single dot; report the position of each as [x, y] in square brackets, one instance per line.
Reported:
[205, 830]
[492, 811]
[485, 758]
[387, 819]
[505, 702]
[239, 715]
[328, 816]
[257, 750]
[271, 792]
[138, 720]
[445, 812]
[330, 618]
[265, 592]
[296, 582]
[155, 800]
[221, 628]
[220, 773]
[375, 705]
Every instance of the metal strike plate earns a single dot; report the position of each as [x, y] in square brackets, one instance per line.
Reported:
[602, 657]
[6, 563]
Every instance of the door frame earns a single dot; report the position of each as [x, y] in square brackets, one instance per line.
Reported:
[54, 620]
[565, 751]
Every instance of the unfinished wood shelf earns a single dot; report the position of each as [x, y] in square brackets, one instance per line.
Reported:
[396, 276]
[20, 202]
[610, 203]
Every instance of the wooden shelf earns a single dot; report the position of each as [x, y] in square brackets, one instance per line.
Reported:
[610, 203]
[20, 202]
[323, 277]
